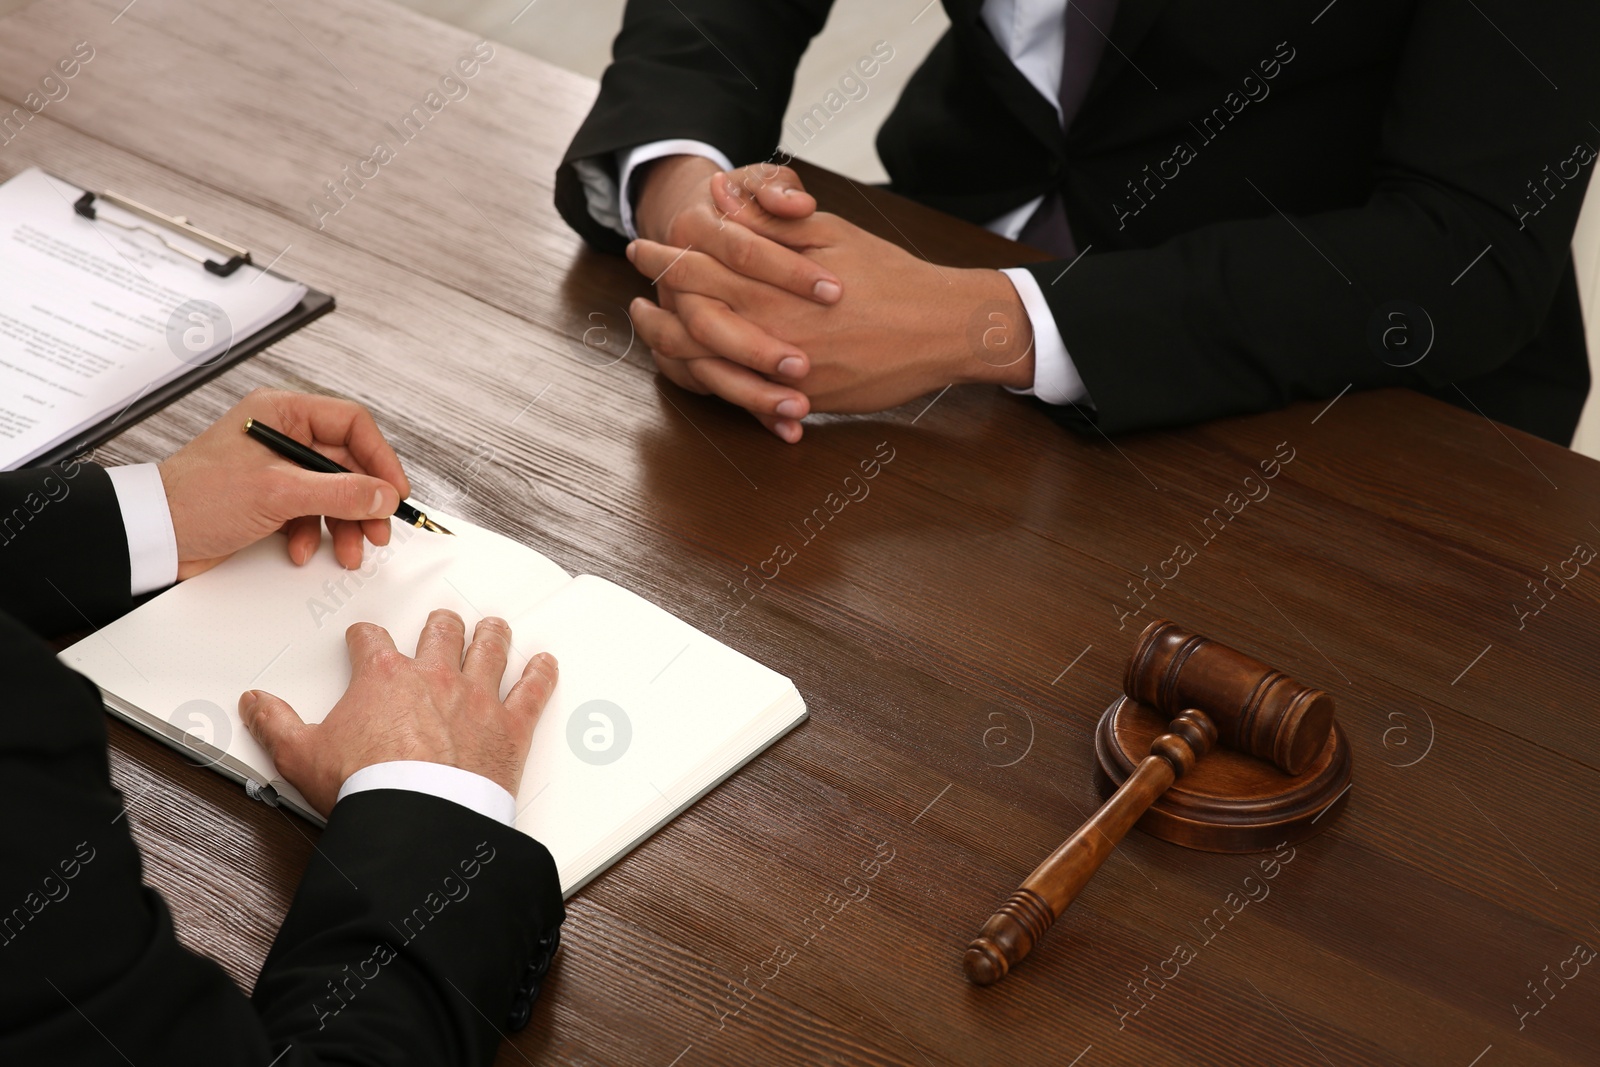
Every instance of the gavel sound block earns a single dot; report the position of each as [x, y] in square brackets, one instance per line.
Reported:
[1281, 774]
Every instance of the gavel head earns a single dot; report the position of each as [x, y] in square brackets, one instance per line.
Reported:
[1256, 710]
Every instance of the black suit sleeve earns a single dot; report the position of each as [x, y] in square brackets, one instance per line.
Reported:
[1247, 315]
[718, 71]
[419, 933]
[63, 548]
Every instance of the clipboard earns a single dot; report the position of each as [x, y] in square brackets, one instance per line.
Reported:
[313, 306]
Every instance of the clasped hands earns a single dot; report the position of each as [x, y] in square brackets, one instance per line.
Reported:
[784, 310]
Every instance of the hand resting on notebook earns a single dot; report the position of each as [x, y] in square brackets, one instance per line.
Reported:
[441, 707]
[227, 492]
[393, 857]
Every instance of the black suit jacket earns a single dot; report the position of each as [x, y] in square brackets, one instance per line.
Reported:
[1279, 198]
[419, 932]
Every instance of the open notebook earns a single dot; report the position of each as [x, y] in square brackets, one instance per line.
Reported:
[649, 713]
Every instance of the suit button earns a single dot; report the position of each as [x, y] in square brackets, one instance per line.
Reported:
[532, 978]
[546, 951]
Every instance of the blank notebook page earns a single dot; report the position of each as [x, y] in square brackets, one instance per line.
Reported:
[648, 714]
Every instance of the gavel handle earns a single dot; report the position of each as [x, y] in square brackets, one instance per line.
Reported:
[1022, 920]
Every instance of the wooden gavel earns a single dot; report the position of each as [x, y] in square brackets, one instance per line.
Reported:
[1214, 694]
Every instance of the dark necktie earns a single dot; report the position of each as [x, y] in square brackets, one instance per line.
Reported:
[1087, 24]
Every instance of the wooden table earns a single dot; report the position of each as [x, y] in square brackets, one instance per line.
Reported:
[955, 634]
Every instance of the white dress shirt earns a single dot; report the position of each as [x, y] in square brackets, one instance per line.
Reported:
[153, 564]
[1032, 33]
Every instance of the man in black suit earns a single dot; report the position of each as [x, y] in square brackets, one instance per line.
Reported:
[1273, 201]
[415, 768]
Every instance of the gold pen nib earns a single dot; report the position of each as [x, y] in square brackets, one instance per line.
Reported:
[429, 524]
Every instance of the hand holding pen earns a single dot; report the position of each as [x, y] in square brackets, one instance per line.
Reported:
[225, 491]
[312, 460]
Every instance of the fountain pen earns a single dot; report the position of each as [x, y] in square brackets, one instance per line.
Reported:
[311, 460]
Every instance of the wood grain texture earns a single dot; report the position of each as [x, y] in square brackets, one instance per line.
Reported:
[1027, 914]
[1258, 710]
[956, 633]
[1229, 802]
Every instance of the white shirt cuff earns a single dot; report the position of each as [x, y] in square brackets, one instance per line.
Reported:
[630, 159]
[1055, 377]
[1011, 223]
[471, 791]
[152, 543]
[599, 193]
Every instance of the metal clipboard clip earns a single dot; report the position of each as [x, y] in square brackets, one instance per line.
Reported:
[223, 267]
